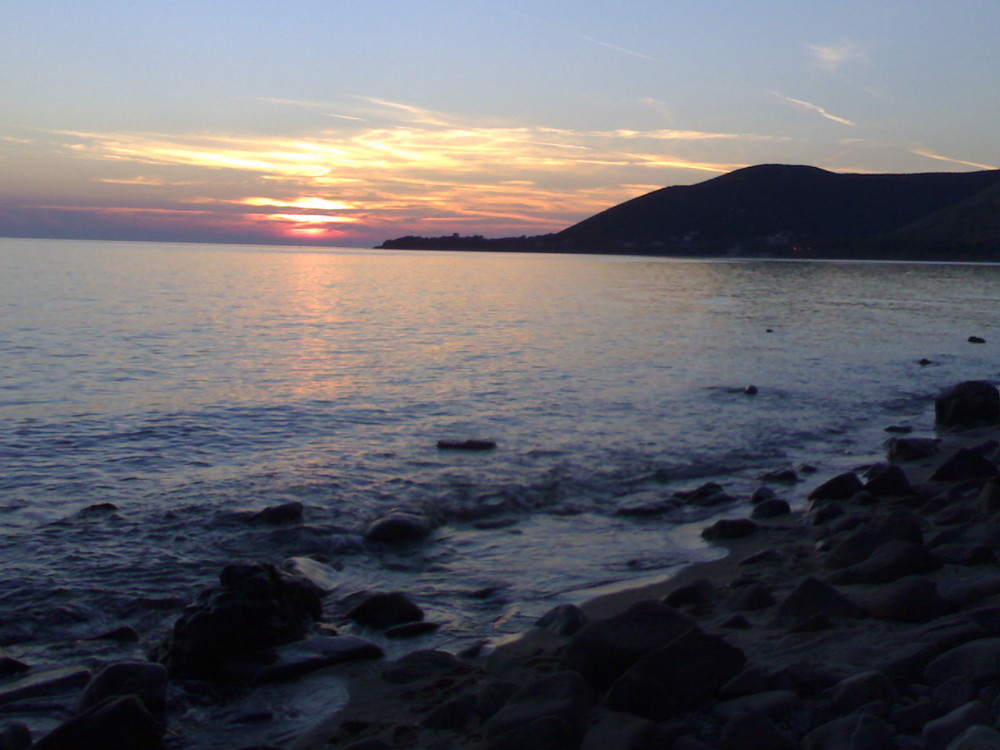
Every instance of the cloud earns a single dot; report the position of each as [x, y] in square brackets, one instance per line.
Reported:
[814, 108]
[616, 48]
[832, 58]
[931, 155]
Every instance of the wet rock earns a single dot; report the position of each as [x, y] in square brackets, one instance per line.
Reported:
[893, 560]
[707, 495]
[751, 598]
[699, 591]
[772, 703]
[965, 464]
[977, 660]
[858, 690]
[625, 732]
[145, 680]
[771, 508]
[911, 599]
[15, 736]
[910, 449]
[604, 649]
[812, 597]
[900, 525]
[318, 652]
[976, 738]
[730, 528]
[855, 732]
[121, 723]
[9, 665]
[49, 682]
[564, 696]
[412, 630]
[750, 390]
[124, 634]
[283, 513]
[780, 475]
[754, 730]
[968, 404]
[888, 480]
[976, 340]
[322, 576]
[466, 445]
[383, 610]
[254, 608]
[841, 487]
[401, 525]
[939, 733]
[451, 715]
[761, 494]
[419, 665]
[563, 620]
[676, 677]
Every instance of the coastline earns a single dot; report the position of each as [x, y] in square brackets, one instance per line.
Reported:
[804, 659]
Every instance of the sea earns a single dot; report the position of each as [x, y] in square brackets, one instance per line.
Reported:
[153, 397]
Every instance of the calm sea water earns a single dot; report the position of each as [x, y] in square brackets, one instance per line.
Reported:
[189, 384]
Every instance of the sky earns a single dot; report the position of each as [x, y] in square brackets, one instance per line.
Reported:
[348, 122]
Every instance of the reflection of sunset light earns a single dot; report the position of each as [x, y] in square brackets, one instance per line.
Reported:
[321, 204]
[311, 218]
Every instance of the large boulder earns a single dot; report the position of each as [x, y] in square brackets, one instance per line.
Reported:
[401, 526]
[254, 608]
[564, 696]
[968, 404]
[121, 723]
[385, 609]
[893, 560]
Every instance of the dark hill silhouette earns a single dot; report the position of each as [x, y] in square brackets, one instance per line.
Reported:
[782, 210]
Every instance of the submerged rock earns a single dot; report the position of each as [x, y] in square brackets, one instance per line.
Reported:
[401, 525]
[383, 610]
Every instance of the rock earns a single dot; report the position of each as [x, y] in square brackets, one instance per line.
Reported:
[988, 500]
[977, 660]
[840, 487]
[318, 652]
[255, 608]
[964, 464]
[15, 736]
[284, 513]
[751, 680]
[466, 445]
[754, 730]
[493, 695]
[898, 525]
[547, 733]
[49, 682]
[412, 630]
[145, 680]
[9, 665]
[761, 494]
[124, 634]
[121, 723]
[910, 449]
[643, 506]
[400, 525]
[676, 677]
[604, 649]
[562, 620]
[451, 715]
[322, 576]
[750, 598]
[564, 696]
[730, 528]
[750, 390]
[707, 495]
[888, 480]
[812, 597]
[855, 732]
[911, 599]
[764, 556]
[699, 591]
[779, 475]
[976, 738]
[976, 340]
[863, 688]
[899, 429]
[939, 733]
[906, 662]
[774, 704]
[968, 404]
[771, 508]
[419, 665]
[383, 610]
[826, 513]
[893, 560]
[625, 732]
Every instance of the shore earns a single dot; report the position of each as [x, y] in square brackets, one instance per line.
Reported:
[874, 614]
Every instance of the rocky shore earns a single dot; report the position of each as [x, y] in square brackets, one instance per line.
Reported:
[869, 620]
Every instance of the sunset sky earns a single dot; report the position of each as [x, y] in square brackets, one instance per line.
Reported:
[342, 122]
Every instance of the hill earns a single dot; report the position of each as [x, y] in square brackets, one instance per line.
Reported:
[787, 210]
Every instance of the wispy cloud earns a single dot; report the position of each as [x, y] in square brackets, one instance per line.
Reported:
[814, 108]
[616, 48]
[931, 155]
[832, 58]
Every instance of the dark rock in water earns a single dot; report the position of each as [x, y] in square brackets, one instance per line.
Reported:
[910, 449]
[761, 494]
[412, 630]
[891, 561]
[9, 665]
[383, 610]
[965, 464]
[901, 429]
[840, 487]
[730, 528]
[854, 732]
[145, 680]
[705, 496]
[466, 445]
[888, 480]
[254, 609]
[913, 599]
[780, 475]
[750, 390]
[419, 665]
[968, 404]
[313, 572]
[642, 507]
[562, 620]
[284, 513]
[124, 634]
[676, 677]
[15, 736]
[924, 362]
[401, 525]
[564, 696]
[604, 649]
[813, 597]
[976, 340]
[121, 723]
[302, 657]
[771, 508]
[49, 682]
[98, 508]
